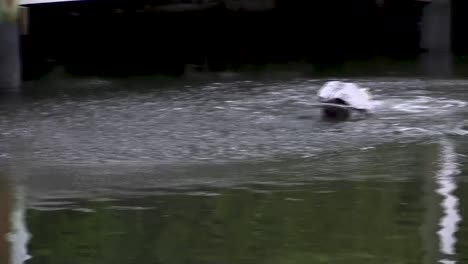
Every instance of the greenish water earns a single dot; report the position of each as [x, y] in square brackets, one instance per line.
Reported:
[236, 170]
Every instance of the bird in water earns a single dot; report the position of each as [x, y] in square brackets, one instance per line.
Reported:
[339, 99]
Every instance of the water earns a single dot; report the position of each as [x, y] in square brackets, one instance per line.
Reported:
[238, 169]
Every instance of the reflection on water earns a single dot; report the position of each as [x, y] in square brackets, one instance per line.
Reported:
[237, 171]
[19, 235]
[447, 185]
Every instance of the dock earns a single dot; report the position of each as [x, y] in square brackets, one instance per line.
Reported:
[129, 37]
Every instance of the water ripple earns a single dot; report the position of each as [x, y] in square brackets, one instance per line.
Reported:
[222, 121]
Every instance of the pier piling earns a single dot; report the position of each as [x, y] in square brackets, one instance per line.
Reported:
[10, 70]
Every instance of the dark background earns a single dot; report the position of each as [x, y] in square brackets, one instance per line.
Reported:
[133, 37]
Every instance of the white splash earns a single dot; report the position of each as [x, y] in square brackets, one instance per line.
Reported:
[351, 93]
[421, 104]
[447, 185]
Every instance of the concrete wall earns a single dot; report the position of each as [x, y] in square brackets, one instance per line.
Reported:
[436, 38]
[9, 58]
[437, 26]
[9, 47]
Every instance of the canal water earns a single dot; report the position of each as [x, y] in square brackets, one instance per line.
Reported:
[236, 168]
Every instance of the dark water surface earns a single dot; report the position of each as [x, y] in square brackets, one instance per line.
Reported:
[235, 170]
